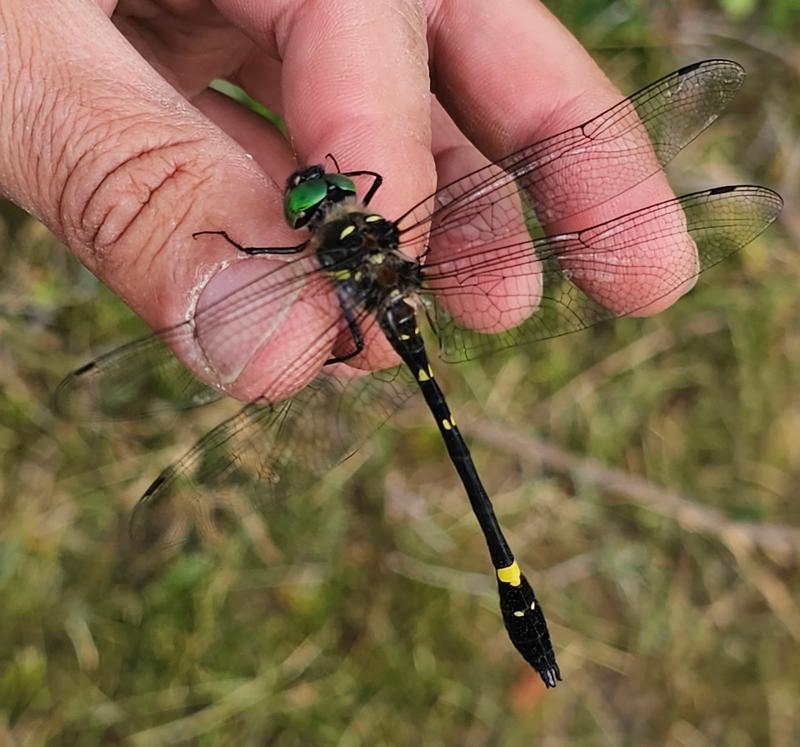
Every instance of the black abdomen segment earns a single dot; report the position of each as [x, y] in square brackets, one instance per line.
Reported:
[522, 614]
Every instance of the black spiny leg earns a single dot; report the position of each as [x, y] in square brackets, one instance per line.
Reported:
[355, 331]
[254, 250]
[375, 184]
[374, 187]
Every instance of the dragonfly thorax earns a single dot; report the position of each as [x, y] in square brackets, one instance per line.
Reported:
[359, 251]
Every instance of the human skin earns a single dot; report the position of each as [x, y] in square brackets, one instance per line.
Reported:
[110, 136]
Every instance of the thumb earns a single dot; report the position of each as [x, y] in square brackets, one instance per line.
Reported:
[117, 164]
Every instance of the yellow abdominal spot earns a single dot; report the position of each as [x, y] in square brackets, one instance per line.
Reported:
[346, 231]
[372, 219]
[510, 574]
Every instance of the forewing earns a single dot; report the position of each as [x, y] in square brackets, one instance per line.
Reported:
[145, 376]
[557, 285]
[580, 168]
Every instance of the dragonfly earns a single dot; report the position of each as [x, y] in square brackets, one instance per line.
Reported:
[386, 278]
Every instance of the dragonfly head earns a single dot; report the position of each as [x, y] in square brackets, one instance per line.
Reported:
[310, 193]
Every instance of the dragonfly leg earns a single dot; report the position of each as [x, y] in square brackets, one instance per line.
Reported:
[254, 250]
[355, 331]
[374, 187]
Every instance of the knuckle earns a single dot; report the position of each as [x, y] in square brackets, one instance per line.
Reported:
[125, 197]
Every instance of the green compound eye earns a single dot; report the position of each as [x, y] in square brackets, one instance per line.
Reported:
[302, 199]
[341, 181]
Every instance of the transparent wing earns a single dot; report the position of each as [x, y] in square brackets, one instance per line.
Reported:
[583, 167]
[264, 453]
[134, 379]
[482, 207]
[145, 376]
[533, 290]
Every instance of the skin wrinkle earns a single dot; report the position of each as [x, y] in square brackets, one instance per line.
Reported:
[150, 195]
[90, 133]
[18, 96]
[61, 156]
[97, 133]
[58, 135]
[61, 202]
[179, 226]
[90, 236]
[150, 192]
[286, 20]
[36, 112]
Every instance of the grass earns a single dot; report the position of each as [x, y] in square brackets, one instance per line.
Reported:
[647, 472]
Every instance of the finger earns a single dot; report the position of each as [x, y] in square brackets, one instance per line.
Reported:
[355, 85]
[117, 164]
[524, 78]
[481, 299]
[259, 138]
[261, 76]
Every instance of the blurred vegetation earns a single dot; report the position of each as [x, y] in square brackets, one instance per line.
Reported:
[647, 471]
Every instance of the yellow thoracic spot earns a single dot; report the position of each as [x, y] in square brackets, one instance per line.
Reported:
[340, 274]
[405, 337]
[372, 219]
[422, 375]
[446, 424]
[346, 231]
[511, 574]
[519, 613]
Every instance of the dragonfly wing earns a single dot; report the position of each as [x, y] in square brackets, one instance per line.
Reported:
[145, 376]
[132, 380]
[557, 285]
[580, 168]
[264, 453]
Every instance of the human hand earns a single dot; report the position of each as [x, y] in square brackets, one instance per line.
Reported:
[124, 160]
